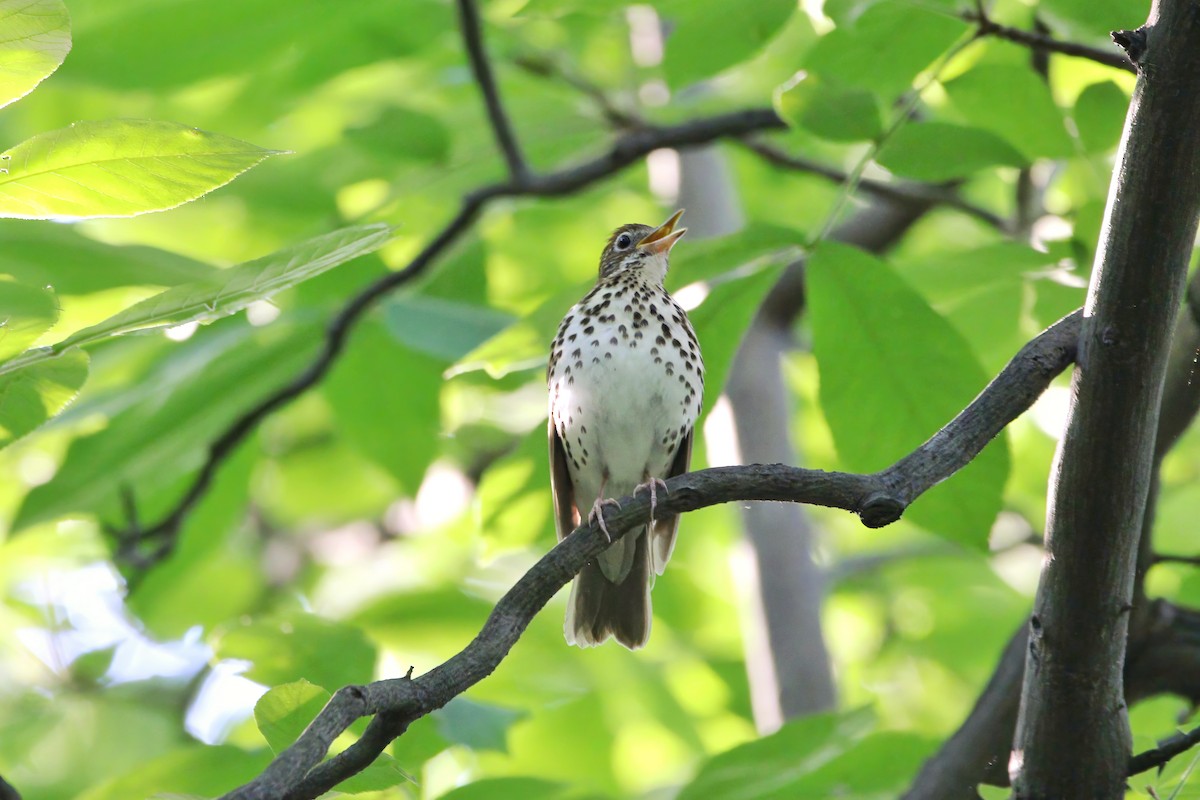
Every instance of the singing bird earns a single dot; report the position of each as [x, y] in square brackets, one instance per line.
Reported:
[626, 382]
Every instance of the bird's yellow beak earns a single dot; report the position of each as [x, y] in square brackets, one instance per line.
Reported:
[664, 237]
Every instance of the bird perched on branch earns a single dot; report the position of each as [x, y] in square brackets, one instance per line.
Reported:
[626, 383]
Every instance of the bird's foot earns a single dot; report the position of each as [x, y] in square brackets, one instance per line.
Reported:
[596, 515]
[652, 484]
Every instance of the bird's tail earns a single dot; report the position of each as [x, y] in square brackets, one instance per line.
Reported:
[599, 608]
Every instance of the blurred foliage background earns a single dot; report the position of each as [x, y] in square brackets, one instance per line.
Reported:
[368, 526]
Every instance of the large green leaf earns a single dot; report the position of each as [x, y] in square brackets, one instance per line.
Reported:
[36, 38]
[385, 400]
[837, 113]
[905, 37]
[26, 312]
[510, 789]
[769, 767]
[118, 168]
[230, 290]
[1100, 116]
[480, 726]
[62, 257]
[197, 770]
[286, 648]
[892, 373]
[153, 443]
[35, 395]
[1015, 103]
[702, 41]
[940, 151]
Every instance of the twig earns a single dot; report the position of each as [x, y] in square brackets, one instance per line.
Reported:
[1040, 41]
[929, 193]
[158, 540]
[481, 68]
[1166, 750]
[879, 499]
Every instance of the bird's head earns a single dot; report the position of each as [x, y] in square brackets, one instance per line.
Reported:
[641, 248]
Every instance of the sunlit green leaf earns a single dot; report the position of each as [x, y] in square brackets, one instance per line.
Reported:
[1014, 103]
[36, 38]
[117, 168]
[229, 290]
[892, 373]
[32, 396]
[26, 312]
[291, 647]
[156, 441]
[770, 766]
[1100, 116]
[284, 712]
[940, 151]
[509, 789]
[197, 770]
[831, 112]
[479, 726]
[703, 41]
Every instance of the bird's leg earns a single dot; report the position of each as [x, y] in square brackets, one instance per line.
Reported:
[596, 515]
[652, 483]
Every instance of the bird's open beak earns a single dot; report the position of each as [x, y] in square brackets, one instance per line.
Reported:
[664, 237]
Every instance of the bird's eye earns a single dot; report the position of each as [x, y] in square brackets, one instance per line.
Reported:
[624, 241]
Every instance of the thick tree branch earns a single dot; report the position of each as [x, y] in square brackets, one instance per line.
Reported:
[1073, 735]
[1043, 43]
[878, 499]
[481, 68]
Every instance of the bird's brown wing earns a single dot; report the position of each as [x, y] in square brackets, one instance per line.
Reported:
[566, 513]
[662, 537]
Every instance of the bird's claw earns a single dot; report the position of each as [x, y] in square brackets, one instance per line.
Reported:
[596, 515]
[652, 485]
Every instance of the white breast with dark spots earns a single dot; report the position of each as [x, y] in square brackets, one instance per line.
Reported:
[625, 387]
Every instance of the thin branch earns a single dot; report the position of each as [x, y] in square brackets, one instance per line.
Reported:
[1158, 756]
[146, 546]
[939, 194]
[481, 68]
[1042, 42]
[878, 499]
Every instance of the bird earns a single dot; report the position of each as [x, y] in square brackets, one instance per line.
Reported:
[626, 386]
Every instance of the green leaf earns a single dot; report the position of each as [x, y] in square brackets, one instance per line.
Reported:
[118, 168]
[516, 788]
[907, 38]
[940, 151]
[444, 329]
[36, 394]
[703, 41]
[840, 114]
[36, 39]
[1014, 103]
[479, 726]
[385, 401]
[892, 373]
[61, 257]
[1095, 17]
[284, 712]
[1100, 116]
[26, 312]
[154, 442]
[197, 770]
[230, 290]
[290, 647]
[404, 133]
[767, 767]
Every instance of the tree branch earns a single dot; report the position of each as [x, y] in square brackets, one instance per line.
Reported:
[929, 194]
[878, 499]
[1042, 42]
[1159, 756]
[481, 68]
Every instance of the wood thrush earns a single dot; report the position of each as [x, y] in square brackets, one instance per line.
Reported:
[626, 382]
